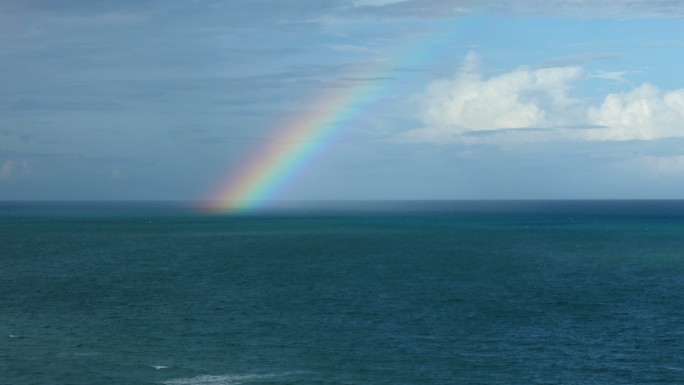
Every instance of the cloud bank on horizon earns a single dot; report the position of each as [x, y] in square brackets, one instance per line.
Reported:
[156, 99]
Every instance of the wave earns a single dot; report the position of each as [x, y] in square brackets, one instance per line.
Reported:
[226, 379]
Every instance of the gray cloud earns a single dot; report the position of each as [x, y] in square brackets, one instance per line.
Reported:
[583, 9]
[419, 8]
[183, 13]
[590, 9]
[298, 15]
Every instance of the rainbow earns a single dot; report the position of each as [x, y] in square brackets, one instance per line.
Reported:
[298, 141]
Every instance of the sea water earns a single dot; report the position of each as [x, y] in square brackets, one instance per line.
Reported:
[376, 293]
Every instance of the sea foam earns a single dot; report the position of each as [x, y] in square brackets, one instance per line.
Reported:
[226, 379]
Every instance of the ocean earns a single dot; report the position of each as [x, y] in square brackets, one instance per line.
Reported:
[510, 292]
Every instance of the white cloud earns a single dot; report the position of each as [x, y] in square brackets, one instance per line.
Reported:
[10, 170]
[522, 98]
[469, 107]
[645, 112]
[616, 76]
[7, 170]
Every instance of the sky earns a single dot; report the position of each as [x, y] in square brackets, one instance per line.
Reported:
[216, 101]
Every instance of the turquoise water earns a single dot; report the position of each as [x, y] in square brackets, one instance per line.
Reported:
[404, 293]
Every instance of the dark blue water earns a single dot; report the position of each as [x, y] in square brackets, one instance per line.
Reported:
[403, 293]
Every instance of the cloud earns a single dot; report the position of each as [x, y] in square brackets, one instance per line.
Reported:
[659, 166]
[99, 20]
[645, 112]
[526, 104]
[521, 99]
[353, 48]
[593, 9]
[616, 76]
[581, 59]
[7, 170]
[414, 9]
[581, 9]
[10, 170]
[374, 3]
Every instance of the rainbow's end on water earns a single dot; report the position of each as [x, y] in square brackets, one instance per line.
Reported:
[228, 206]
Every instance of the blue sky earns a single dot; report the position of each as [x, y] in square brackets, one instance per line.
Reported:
[152, 99]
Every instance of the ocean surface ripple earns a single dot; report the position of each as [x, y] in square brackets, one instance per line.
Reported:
[441, 293]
